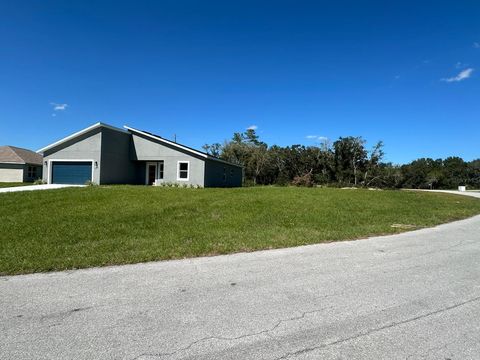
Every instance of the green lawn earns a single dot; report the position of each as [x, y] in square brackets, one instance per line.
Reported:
[94, 226]
[13, 184]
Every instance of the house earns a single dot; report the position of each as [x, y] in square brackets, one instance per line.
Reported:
[105, 154]
[19, 165]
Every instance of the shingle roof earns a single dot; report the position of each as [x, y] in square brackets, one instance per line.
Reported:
[13, 154]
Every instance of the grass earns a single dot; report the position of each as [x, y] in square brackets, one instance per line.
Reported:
[14, 184]
[103, 225]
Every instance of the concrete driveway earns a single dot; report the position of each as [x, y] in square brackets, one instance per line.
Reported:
[36, 187]
[409, 296]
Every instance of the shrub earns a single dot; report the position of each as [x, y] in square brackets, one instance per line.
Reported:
[39, 182]
[303, 180]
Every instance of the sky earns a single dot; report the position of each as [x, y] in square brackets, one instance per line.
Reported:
[404, 72]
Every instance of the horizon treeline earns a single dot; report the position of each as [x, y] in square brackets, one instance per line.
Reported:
[345, 162]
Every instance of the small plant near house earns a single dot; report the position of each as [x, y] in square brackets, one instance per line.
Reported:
[90, 183]
[39, 182]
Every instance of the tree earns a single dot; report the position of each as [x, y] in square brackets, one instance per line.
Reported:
[213, 149]
[372, 165]
[350, 158]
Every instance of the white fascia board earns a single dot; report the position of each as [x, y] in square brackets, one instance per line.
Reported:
[78, 133]
[13, 162]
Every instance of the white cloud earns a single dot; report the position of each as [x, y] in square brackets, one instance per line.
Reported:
[317, 138]
[59, 107]
[476, 45]
[252, 127]
[462, 75]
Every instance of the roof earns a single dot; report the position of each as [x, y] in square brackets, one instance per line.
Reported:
[179, 146]
[16, 155]
[79, 133]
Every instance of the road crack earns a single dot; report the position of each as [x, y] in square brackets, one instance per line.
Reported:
[375, 330]
[233, 338]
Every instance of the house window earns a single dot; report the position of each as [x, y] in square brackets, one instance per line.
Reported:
[224, 174]
[31, 172]
[183, 170]
[160, 169]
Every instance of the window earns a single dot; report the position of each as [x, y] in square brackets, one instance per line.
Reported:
[31, 172]
[224, 174]
[231, 172]
[160, 169]
[183, 170]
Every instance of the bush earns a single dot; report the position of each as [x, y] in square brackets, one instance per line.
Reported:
[39, 182]
[303, 180]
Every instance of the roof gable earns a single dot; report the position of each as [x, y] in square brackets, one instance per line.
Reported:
[178, 146]
[79, 133]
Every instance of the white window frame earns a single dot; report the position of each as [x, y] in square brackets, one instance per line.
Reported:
[146, 172]
[50, 167]
[178, 171]
[160, 162]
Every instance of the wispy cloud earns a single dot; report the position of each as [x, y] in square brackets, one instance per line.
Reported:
[462, 75]
[252, 127]
[59, 107]
[476, 45]
[317, 138]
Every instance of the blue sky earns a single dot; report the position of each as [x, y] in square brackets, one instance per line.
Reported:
[405, 72]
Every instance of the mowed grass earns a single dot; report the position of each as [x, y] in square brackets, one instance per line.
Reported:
[96, 226]
[14, 184]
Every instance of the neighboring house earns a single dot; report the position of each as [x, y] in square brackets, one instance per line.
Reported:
[105, 154]
[19, 165]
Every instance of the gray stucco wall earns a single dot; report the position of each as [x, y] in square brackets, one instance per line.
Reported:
[147, 149]
[214, 174]
[85, 147]
[116, 167]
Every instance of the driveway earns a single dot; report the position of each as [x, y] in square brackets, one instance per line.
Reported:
[410, 296]
[36, 187]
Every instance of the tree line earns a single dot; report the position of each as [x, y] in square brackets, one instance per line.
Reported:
[345, 162]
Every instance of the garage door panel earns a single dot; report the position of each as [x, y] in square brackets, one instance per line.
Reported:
[71, 172]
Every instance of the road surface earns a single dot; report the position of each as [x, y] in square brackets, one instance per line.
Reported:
[410, 296]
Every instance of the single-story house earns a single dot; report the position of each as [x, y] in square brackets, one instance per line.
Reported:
[104, 154]
[19, 165]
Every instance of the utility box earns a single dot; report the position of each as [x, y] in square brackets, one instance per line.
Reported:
[462, 188]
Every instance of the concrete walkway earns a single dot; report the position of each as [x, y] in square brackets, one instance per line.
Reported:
[36, 187]
[414, 295]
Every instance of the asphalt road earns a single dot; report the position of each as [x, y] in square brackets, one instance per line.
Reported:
[409, 296]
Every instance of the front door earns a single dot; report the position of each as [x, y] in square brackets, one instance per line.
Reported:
[151, 173]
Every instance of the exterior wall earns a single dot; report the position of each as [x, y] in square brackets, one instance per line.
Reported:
[148, 150]
[116, 167]
[214, 174]
[86, 147]
[38, 174]
[11, 172]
